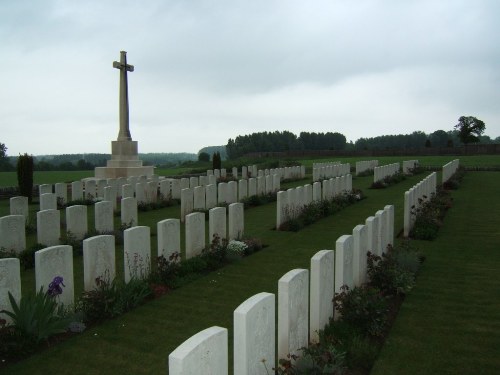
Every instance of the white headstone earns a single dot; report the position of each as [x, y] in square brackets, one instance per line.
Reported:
[61, 190]
[136, 252]
[48, 201]
[98, 260]
[382, 231]
[222, 192]
[372, 235]
[48, 227]
[293, 312]
[76, 221]
[44, 189]
[176, 189]
[90, 189]
[12, 233]
[187, 202]
[10, 281]
[360, 248]
[210, 196]
[199, 198]
[242, 189]
[193, 182]
[52, 262]
[129, 212]
[110, 195]
[217, 223]
[254, 335]
[232, 192]
[252, 187]
[236, 215]
[204, 353]
[19, 206]
[127, 191]
[76, 190]
[390, 224]
[169, 237]
[195, 234]
[343, 262]
[103, 217]
[322, 293]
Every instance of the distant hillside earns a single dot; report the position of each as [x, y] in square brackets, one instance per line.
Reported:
[211, 149]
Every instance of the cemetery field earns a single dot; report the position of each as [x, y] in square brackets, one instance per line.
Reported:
[449, 324]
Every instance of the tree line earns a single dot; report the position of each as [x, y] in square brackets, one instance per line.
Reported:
[283, 141]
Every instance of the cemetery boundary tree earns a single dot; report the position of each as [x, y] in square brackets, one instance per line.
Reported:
[469, 129]
[25, 175]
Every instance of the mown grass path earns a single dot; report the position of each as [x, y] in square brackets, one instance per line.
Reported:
[450, 323]
[139, 342]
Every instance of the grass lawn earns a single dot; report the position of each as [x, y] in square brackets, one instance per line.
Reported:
[139, 342]
[450, 323]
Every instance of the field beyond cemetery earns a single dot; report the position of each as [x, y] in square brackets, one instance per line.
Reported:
[449, 324]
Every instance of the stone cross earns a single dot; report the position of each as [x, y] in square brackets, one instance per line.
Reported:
[124, 133]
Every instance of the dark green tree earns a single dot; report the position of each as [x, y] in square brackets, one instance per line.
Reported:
[469, 129]
[428, 143]
[4, 160]
[216, 161]
[439, 138]
[203, 156]
[25, 175]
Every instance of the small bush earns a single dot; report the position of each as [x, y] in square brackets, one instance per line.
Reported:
[388, 181]
[394, 272]
[364, 308]
[429, 215]
[112, 298]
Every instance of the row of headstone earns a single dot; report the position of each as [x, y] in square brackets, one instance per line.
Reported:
[291, 202]
[195, 227]
[218, 173]
[251, 171]
[415, 197]
[365, 165]
[305, 306]
[99, 252]
[323, 171]
[105, 189]
[13, 233]
[449, 169]
[209, 196]
[409, 165]
[379, 173]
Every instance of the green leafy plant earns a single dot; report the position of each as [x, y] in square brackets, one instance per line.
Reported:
[364, 308]
[429, 214]
[111, 298]
[37, 317]
[394, 272]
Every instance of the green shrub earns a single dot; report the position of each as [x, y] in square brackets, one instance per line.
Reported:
[429, 215]
[112, 298]
[364, 308]
[394, 272]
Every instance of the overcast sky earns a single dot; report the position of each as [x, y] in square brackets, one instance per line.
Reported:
[207, 71]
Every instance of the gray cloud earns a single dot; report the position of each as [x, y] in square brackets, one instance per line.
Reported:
[207, 71]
